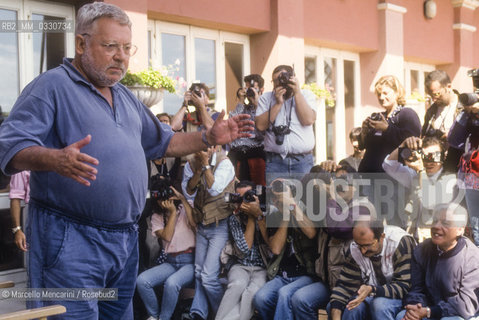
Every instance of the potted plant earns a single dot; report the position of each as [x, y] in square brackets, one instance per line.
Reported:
[148, 85]
[325, 93]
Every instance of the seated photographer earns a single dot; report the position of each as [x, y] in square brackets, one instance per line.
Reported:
[464, 139]
[355, 159]
[287, 115]
[293, 247]
[207, 177]
[249, 238]
[172, 222]
[334, 238]
[406, 164]
[197, 99]
[247, 154]
[444, 271]
[440, 115]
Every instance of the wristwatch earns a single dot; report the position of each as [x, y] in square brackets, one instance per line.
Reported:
[206, 167]
[428, 312]
[14, 230]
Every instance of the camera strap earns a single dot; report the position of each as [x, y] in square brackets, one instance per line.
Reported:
[288, 120]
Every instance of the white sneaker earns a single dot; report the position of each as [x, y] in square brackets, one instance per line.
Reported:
[152, 318]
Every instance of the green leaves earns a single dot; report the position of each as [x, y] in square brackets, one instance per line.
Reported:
[150, 78]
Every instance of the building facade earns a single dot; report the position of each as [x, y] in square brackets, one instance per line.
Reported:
[342, 45]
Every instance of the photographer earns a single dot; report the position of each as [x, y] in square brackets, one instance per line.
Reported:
[248, 273]
[293, 246]
[287, 114]
[247, 154]
[406, 165]
[440, 115]
[382, 132]
[198, 97]
[464, 140]
[173, 223]
[207, 177]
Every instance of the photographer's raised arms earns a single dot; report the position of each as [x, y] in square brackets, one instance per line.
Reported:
[287, 115]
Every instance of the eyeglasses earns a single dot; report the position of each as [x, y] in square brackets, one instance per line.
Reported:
[366, 246]
[112, 48]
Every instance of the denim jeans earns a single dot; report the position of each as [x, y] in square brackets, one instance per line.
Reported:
[276, 166]
[373, 308]
[210, 240]
[64, 253]
[403, 312]
[307, 300]
[274, 299]
[472, 200]
[174, 274]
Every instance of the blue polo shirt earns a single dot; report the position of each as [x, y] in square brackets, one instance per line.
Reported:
[59, 108]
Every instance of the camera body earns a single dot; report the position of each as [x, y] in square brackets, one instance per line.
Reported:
[283, 81]
[375, 116]
[160, 188]
[409, 154]
[251, 91]
[279, 132]
[195, 89]
[248, 196]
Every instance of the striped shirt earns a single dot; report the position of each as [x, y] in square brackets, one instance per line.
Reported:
[351, 279]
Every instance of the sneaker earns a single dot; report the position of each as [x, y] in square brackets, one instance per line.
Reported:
[152, 318]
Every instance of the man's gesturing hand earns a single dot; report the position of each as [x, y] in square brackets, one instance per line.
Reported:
[71, 163]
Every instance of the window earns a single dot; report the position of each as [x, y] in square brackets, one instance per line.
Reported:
[414, 74]
[27, 54]
[214, 57]
[338, 72]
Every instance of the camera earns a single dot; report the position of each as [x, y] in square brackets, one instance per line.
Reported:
[283, 81]
[376, 116]
[431, 132]
[250, 92]
[436, 157]
[195, 89]
[248, 196]
[280, 132]
[283, 185]
[409, 154]
[160, 188]
[468, 99]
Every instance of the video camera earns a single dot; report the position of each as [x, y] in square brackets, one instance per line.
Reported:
[160, 188]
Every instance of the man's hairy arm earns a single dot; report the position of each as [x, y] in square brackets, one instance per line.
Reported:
[68, 162]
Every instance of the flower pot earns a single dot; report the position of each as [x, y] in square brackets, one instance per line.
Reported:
[149, 96]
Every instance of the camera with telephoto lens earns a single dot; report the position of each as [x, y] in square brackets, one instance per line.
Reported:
[195, 89]
[283, 81]
[160, 188]
[280, 132]
[376, 116]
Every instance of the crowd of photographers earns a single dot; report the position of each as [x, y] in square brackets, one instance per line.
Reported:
[258, 231]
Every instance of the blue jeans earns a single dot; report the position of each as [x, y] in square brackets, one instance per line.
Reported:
[276, 166]
[67, 254]
[307, 300]
[176, 273]
[210, 240]
[273, 300]
[402, 313]
[374, 309]
[472, 200]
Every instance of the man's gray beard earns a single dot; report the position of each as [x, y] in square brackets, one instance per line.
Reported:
[96, 76]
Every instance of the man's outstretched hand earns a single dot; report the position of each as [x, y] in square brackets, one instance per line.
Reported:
[76, 165]
[225, 131]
